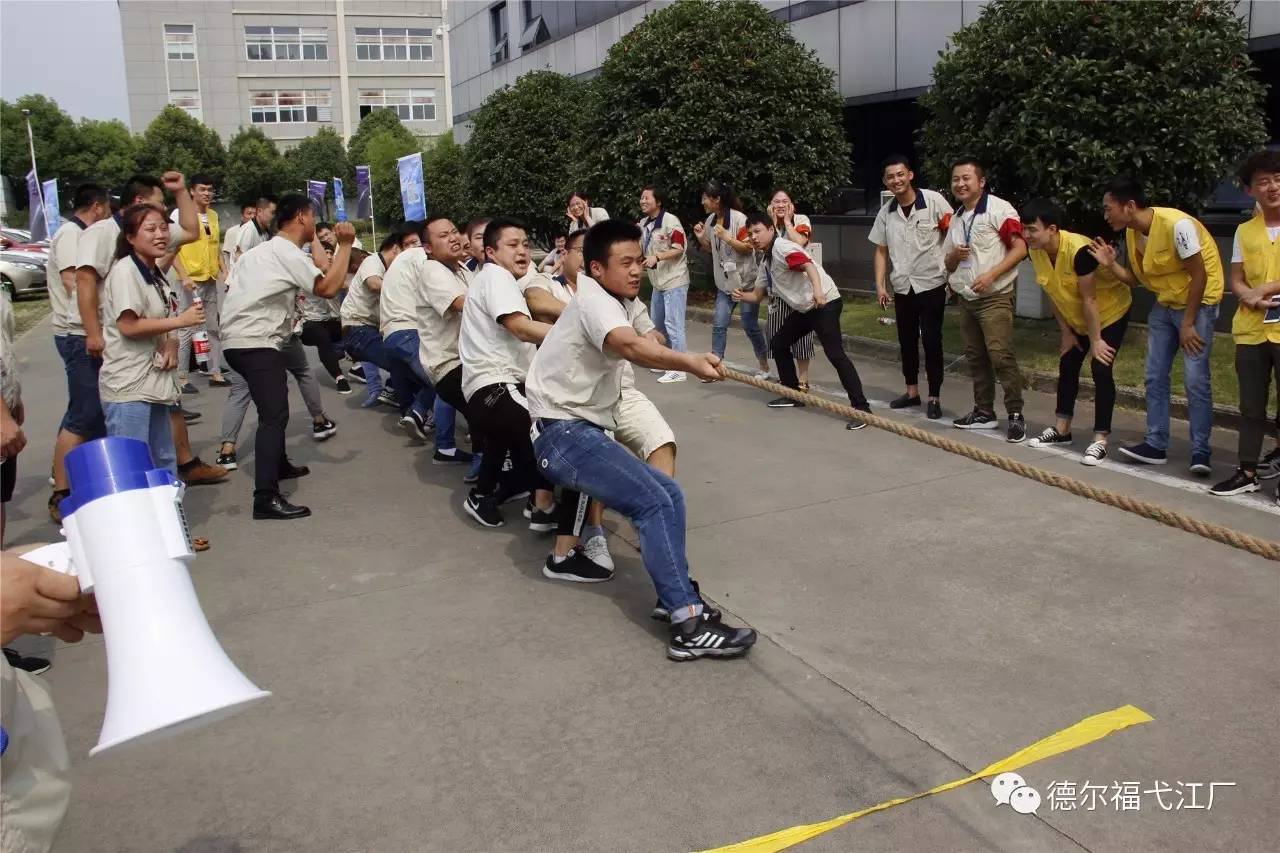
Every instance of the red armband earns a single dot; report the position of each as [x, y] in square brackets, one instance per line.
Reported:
[797, 260]
[1010, 229]
[944, 224]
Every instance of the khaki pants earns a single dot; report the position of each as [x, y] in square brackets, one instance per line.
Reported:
[987, 325]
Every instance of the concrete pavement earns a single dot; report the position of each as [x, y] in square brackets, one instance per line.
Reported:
[921, 615]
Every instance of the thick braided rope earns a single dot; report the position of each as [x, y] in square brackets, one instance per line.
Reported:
[1226, 535]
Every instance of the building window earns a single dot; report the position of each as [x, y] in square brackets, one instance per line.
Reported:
[392, 44]
[187, 100]
[180, 41]
[535, 29]
[501, 50]
[286, 43]
[292, 106]
[408, 104]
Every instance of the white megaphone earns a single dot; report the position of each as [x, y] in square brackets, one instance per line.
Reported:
[127, 542]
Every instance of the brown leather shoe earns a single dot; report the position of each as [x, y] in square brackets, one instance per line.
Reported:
[198, 472]
[55, 512]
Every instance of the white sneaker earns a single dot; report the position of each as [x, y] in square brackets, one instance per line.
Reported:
[657, 371]
[761, 374]
[672, 376]
[596, 550]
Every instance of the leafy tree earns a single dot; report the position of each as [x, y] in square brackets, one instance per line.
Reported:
[1057, 97]
[525, 149]
[445, 173]
[382, 151]
[175, 140]
[254, 167]
[703, 90]
[375, 123]
[55, 135]
[319, 157]
[107, 154]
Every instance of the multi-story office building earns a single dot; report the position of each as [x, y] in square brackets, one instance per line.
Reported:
[286, 66]
[882, 53]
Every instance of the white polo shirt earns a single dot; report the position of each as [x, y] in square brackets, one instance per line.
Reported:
[915, 238]
[438, 324]
[663, 233]
[360, 308]
[573, 377]
[258, 310]
[402, 292]
[251, 234]
[988, 230]
[784, 276]
[490, 354]
[722, 253]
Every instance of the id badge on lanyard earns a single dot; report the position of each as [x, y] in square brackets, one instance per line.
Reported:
[968, 263]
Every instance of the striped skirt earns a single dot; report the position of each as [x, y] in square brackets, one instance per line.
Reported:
[779, 311]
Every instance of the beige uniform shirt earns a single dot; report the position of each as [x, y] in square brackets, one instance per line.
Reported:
[915, 238]
[62, 256]
[490, 354]
[360, 308]
[10, 387]
[35, 787]
[129, 373]
[784, 275]
[258, 310]
[438, 324]
[662, 234]
[96, 248]
[402, 292]
[987, 230]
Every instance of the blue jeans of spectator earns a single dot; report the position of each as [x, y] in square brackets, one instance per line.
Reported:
[147, 422]
[668, 310]
[410, 381]
[579, 455]
[1163, 344]
[750, 325]
[364, 344]
[84, 416]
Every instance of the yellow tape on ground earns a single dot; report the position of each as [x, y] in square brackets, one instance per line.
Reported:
[1084, 732]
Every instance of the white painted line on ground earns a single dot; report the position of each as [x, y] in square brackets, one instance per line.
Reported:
[1255, 501]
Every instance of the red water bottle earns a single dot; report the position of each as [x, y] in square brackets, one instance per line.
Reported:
[200, 339]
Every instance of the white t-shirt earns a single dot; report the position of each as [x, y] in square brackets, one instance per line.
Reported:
[258, 310]
[572, 376]
[250, 236]
[490, 354]
[786, 279]
[594, 215]
[1237, 254]
[402, 292]
[230, 238]
[438, 324]
[360, 308]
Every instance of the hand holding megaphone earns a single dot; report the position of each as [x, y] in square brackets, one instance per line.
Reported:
[36, 598]
[127, 542]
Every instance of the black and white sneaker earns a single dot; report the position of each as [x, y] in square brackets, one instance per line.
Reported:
[976, 419]
[700, 637]
[1269, 467]
[227, 460]
[785, 403]
[344, 387]
[662, 614]
[356, 374]
[324, 429]
[1237, 484]
[483, 509]
[414, 426]
[387, 397]
[856, 425]
[1095, 454]
[1017, 432]
[576, 568]
[27, 663]
[1050, 437]
[540, 521]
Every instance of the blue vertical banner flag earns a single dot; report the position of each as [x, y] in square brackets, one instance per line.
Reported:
[52, 218]
[364, 200]
[413, 193]
[315, 192]
[339, 201]
[35, 209]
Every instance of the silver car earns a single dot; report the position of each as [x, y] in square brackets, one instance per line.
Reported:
[22, 273]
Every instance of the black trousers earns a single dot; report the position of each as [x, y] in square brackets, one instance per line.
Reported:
[824, 322]
[264, 371]
[501, 415]
[1255, 366]
[326, 337]
[1104, 383]
[919, 318]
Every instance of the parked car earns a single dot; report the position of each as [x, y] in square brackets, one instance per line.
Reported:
[22, 273]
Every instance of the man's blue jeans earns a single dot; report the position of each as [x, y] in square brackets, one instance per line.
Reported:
[580, 456]
[364, 344]
[147, 422]
[750, 325]
[1163, 344]
[410, 382]
[667, 309]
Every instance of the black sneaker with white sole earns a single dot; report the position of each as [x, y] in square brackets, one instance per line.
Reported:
[27, 663]
[785, 403]
[1237, 484]
[1050, 437]
[387, 397]
[1095, 454]
[324, 429]
[1017, 430]
[700, 637]
[856, 425]
[540, 521]
[1269, 467]
[456, 456]
[344, 387]
[227, 460]
[576, 568]
[977, 419]
[356, 374]
[483, 509]
[414, 426]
